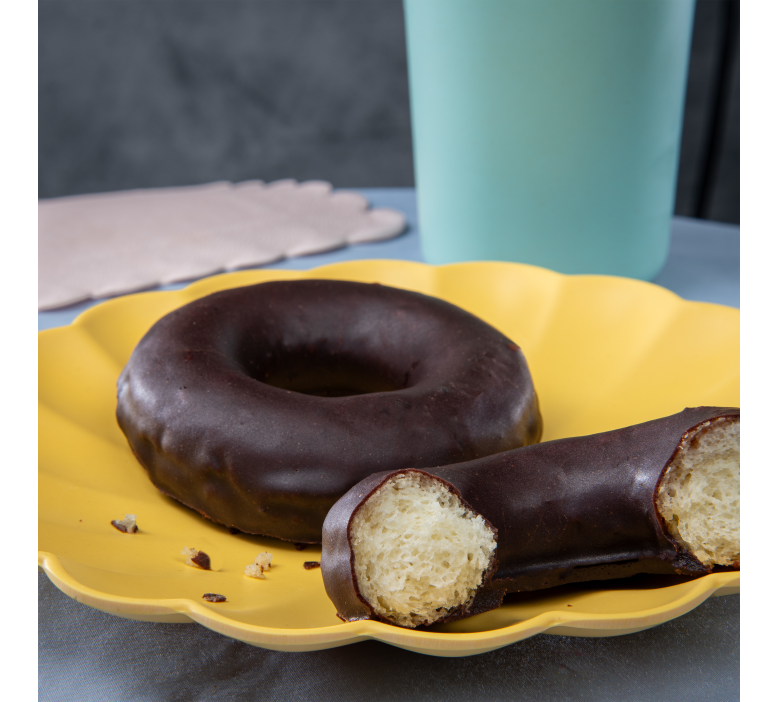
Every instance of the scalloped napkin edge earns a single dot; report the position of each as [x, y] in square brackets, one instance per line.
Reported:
[95, 246]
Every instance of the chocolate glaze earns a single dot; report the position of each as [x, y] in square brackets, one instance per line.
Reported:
[261, 406]
[566, 511]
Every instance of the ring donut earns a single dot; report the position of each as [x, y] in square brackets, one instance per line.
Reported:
[261, 406]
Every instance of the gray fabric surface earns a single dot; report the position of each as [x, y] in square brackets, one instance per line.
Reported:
[87, 655]
[703, 263]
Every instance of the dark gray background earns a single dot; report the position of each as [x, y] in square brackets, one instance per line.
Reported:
[145, 93]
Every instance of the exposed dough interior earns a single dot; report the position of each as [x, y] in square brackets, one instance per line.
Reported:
[418, 551]
[699, 494]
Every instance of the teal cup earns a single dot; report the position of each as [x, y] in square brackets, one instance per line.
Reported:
[547, 131]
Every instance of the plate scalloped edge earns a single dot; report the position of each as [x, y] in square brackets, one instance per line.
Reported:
[556, 622]
[434, 643]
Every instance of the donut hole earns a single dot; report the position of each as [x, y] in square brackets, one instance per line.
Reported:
[327, 375]
[698, 495]
[419, 552]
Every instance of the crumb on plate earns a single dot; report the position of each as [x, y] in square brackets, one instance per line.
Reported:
[213, 597]
[196, 559]
[261, 563]
[126, 525]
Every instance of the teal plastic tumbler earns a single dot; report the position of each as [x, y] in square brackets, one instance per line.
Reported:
[547, 131]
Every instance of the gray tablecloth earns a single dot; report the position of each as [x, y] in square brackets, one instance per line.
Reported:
[87, 655]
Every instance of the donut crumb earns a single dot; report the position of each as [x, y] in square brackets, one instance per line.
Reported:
[126, 525]
[309, 565]
[196, 559]
[261, 563]
[213, 597]
[300, 547]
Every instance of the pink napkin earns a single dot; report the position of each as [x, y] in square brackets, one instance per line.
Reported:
[92, 246]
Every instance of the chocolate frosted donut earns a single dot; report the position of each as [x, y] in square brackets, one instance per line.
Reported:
[261, 406]
[414, 547]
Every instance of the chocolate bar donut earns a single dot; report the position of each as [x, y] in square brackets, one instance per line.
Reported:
[414, 547]
[261, 406]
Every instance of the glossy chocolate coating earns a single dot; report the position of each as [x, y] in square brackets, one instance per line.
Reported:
[565, 511]
[261, 406]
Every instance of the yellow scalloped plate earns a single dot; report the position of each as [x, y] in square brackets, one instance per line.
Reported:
[604, 352]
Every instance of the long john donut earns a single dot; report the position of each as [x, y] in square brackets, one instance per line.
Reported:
[565, 511]
[261, 406]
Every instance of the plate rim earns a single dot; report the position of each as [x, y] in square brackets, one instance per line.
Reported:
[432, 643]
[444, 644]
